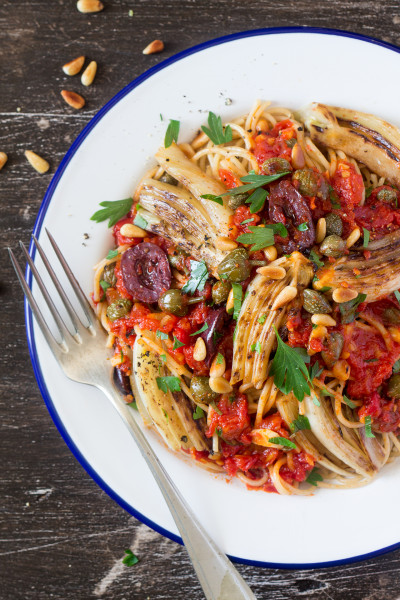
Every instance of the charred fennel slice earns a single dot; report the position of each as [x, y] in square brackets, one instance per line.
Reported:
[367, 138]
[377, 277]
[171, 412]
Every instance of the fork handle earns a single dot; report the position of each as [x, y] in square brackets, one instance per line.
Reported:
[217, 575]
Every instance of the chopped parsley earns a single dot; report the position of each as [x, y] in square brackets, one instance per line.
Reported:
[303, 227]
[172, 133]
[397, 294]
[216, 199]
[237, 299]
[256, 347]
[130, 559]
[261, 319]
[257, 200]
[368, 191]
[215, 407]
[162, 335]
[113, 211]
[315, 371]
[368, 430]
[281, 441]
[163, 357]
[365, 238]
[349, 402]
[177, 343]
[104, 285]
[219, 359]
[396, 366]
[316, 259]
[204, 328]
[140, 222]
[262, 237]
[198, 413]
[168, 383]
[314, 477]
[198, 277]
[348, 309]
[247, 221]
[112, 254]
[300, 423]
[289, 370]
[215, 131]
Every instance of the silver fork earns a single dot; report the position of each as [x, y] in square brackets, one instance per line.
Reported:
[81, 356]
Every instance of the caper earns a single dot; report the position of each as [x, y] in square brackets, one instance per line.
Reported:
[173, 301]
[391, 316]
[109, 275]
[308, 181]
[275, 165]
[235, 267]
[333, 245]
[387, 195]
[167, 178]
[201, 391]
[291, 142]
[334, 343]
[177, 259]
[334, 225]
[220, 291]
[119, 309]
[315, 303]
[393, 386]
[237, 200]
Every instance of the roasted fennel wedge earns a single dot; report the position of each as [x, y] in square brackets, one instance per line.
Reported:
[363, 136]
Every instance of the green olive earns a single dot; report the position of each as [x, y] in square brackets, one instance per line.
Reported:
[119, 309]
[387, 195]
[334, 225]
[275, 165]
[335, 343]
[391, 316]
[109, 275]
[237, 200]
[393, 386]
[235, 267]
[308, 181]
[201, 391]
[220, 291]
[173, 301]
[333, 245]
[167, 178]
[315, 303]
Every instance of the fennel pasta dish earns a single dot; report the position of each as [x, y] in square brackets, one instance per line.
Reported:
[251, 299]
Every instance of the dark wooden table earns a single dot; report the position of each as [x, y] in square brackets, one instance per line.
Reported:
[62, 537]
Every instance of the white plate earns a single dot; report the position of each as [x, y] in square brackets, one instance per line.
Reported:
[291, 67]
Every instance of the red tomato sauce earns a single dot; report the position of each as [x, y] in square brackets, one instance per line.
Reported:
[272, 143]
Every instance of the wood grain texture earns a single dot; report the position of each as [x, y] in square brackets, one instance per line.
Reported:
[61, 536]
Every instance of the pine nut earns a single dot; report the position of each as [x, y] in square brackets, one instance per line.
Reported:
[73, 99]
[271, 253]
[285, 296]
[319, 332]
[272, 272]
[219, 385]
[262, 125]
[320, 230]
[298, 160]
[225, 243]
[340, 295]
[229, 302]
[89, 73]
[395, 333]
[38, 163]
[89, 6]
[153, 47]
[74, 66]
[217, 370]
[132, 231]
[353, 237]
[319, 319]
[3, 159]
[200, 350]
[341, 370]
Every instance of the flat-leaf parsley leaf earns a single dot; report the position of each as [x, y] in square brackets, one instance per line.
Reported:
[113, 211]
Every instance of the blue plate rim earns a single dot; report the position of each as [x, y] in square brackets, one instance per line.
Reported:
[32, 251]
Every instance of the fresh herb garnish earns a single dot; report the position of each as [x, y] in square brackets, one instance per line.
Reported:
[303, 227]
[177, 343]
[366, 238]
[368, 430]
[215, 407]
[198, 277]
[203, 328]
[198, 413]
[282, 442]
[397, 294]
[252, 182]
[256, 347]
[303, 353]
[219, 359]
[316, 259]
[262, 237]
[325, 392]
[216, 199]
[326, 288]
[348, 309]
[104, 285]
[165, 413]
[368, 191]
[257, 200]
[215, 131]
[140, 222]
[130, 559]
[247, 221]
[112, 254]
[113, 211]
[333, 198]
[289, 370]
[163, 357]
[315, 400]
[315, 371]
[314, 477]
[349, 402]
[168, 383]
[171, 135]
[262, 319]
[300, 423]
[396, 366]
[237, 299]
[161, 335]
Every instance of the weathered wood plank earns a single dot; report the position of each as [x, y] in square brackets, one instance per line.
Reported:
[61, 536]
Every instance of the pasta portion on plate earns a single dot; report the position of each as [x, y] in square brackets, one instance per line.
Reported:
[252, 299]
